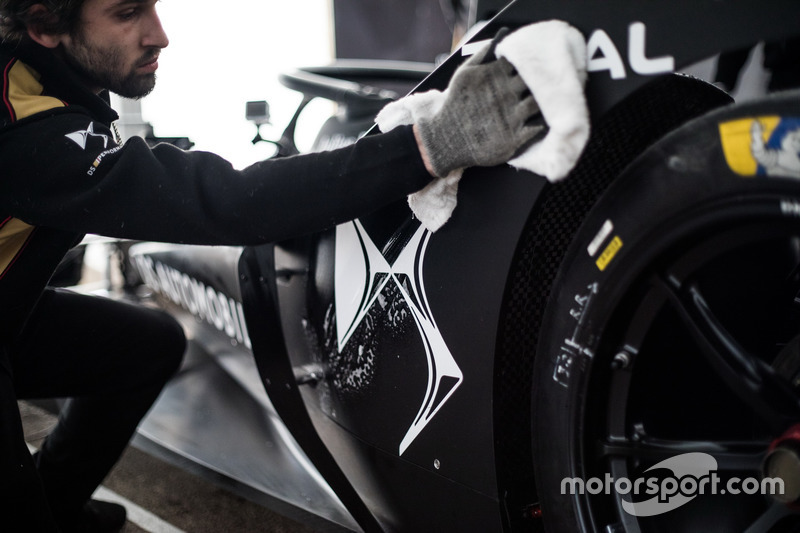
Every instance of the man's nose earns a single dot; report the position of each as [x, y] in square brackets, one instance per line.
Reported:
[155, 36]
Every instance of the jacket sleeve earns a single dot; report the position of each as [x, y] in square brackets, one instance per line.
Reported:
[65, 171]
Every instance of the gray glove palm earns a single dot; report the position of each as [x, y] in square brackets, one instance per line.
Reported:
[485, 118]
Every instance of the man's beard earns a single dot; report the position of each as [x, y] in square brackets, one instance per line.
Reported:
[102, 68]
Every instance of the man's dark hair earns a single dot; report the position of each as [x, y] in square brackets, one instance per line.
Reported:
[61, 17]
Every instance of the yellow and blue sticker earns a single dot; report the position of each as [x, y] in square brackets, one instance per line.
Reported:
[766, 145]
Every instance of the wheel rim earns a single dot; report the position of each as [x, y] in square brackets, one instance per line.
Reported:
[700, 354]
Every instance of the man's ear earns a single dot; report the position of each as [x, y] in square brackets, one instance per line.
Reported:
[39, 30]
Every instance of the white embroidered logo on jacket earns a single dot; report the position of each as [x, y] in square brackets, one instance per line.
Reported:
[80, 137]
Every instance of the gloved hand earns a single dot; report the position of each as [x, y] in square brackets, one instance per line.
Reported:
[488, 114]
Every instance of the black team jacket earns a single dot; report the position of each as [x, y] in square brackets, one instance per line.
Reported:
[63, 174]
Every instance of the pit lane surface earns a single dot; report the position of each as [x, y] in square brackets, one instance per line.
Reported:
[162, 498]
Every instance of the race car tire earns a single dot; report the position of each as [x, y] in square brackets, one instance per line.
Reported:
[618, 137]
[672, 330]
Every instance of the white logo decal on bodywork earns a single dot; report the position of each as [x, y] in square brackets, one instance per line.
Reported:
[358, 285]
[603, 54]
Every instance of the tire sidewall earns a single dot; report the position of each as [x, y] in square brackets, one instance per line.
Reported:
[686, 172]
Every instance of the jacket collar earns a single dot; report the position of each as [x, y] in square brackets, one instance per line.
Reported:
[59, 80]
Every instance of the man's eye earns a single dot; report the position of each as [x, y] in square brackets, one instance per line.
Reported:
[128, 14]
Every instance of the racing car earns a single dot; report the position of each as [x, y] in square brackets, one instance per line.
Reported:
[616, 352]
